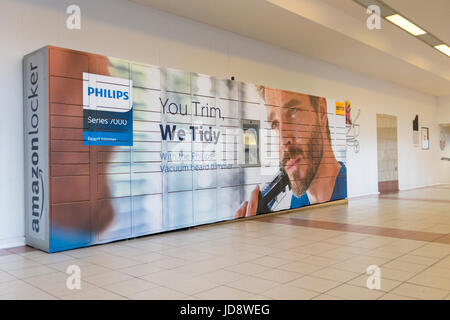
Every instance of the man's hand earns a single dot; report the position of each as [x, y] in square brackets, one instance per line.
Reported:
[249, 208]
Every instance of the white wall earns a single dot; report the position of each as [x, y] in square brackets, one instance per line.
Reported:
[444, 110]
[126, 30]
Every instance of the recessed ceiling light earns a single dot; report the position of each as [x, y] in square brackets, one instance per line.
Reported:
[444, 49]
[405, 24]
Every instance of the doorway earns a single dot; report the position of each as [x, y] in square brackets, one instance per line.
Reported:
[387, 153]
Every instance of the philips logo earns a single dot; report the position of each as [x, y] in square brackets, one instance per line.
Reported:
[108, 93]
[105, 93]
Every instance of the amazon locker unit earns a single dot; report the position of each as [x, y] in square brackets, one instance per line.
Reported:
[116, 149]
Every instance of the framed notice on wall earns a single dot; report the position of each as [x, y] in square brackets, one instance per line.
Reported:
[442, 140]
[425, 138]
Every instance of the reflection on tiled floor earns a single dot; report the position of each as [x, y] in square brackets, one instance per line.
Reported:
[320, 253]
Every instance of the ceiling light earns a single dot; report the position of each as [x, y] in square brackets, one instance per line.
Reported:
[405, 24]
[444, 49]
[396, 18]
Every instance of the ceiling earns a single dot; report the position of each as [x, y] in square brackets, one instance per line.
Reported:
[389, 54]
[433, 15]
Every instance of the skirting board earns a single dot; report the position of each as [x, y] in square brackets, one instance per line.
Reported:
[425, 186]
[12, 242]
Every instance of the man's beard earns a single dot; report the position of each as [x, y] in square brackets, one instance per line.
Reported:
[300, 184]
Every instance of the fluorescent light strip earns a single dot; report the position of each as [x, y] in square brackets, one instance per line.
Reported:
[445, 49]
[405, 24]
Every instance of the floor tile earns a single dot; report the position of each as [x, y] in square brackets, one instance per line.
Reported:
[180, 283]
[14, 286]
[390, 296]
[405, 266]
[224, 293]
[18, 264]
[314, 284]
[247, 268]
[170, 262]
[280, 276]
[326, 297]
[320, 261]
[51, 258]
[222, 276]
[5, 277]
[430, 280]
[94, 294]
[158, 293]
[253, 284]
[420, 292]
[129, 287]
[270, 262]
[26, 293]
[56, 283]
[347, 291]
[107, 278]
[417, 260]
[394, 274]
[287, 292]
[335, 274]
[191, 286]
[141, 269]
[30, 271]
[300, 267]
[290, 255]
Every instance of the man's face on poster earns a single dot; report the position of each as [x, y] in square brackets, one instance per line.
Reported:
[300, 123]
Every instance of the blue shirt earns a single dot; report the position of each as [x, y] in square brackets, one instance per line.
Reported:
[339, 191]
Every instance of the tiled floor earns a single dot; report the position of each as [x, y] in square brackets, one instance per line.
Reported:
[320, 253]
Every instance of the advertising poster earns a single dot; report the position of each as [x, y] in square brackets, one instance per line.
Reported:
[138, 149]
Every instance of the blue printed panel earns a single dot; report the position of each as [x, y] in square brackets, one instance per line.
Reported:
[107, 111]
[107, 128]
